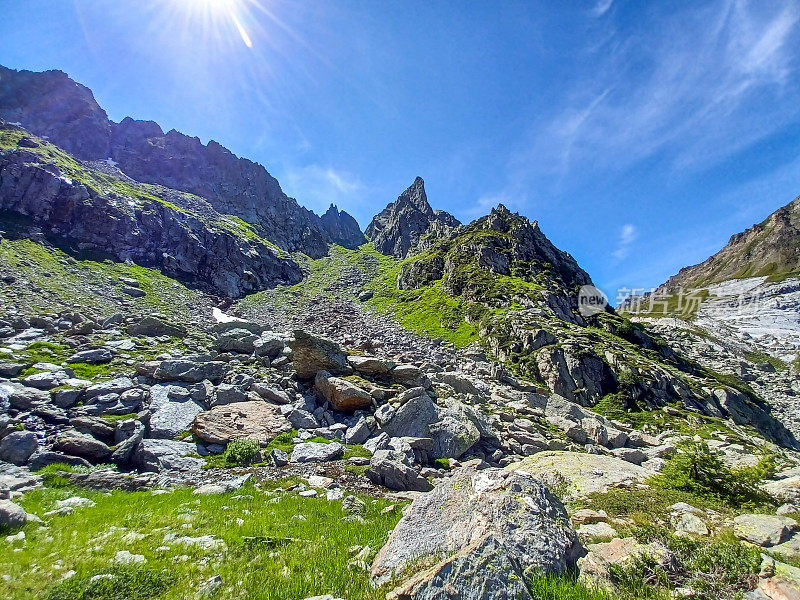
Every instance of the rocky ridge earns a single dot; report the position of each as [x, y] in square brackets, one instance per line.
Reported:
[52, 105]
[180, 234]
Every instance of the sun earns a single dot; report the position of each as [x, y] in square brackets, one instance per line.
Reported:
[216, 14]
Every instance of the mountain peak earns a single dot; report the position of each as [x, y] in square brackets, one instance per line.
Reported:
[416, 196]
[342, 228]
[399, 227]
[767, 249]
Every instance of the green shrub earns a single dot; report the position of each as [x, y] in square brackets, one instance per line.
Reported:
[125, 583]
[641, 577]
[698, 470]
[714, 567]
[241, 452]
[442, 463]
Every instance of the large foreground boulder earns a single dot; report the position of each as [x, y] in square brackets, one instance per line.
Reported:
[312, 353]
[254, 419]
[488, 532]
[577, 474]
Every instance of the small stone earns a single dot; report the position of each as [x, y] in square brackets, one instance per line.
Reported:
[211, 585]
[123, 557]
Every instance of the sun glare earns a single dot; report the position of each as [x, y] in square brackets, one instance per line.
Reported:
[218, 13]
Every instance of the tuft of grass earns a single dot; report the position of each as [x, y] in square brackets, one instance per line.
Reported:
[563, 587]
[90, 371]
[360, 470]
[112, 419]
[756, 356]
[130, 582]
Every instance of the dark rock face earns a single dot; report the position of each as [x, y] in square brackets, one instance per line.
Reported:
[342, 228]
[53, 105]
[232, 185]
[154, 234]
[402, 223]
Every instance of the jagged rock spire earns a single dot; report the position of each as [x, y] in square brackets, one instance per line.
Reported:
[400, 225]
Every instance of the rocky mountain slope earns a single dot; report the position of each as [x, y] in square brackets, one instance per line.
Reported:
[52, 105]
[768, 249]
[99, 209]
[739, 311]
[748, 293]
[424, 415]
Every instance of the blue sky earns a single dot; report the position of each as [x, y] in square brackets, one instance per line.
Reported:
[641, 135]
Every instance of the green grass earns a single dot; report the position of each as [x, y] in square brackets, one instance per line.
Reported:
[91, 371]
[564, 587]
[643, 505]
[271, 555]
[134, 582]
[78, 283]
[112, 419]
[756, 356]
[359, 470]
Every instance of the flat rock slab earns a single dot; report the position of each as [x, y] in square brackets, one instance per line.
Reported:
[576, 474]
[170, 416]
[595, 567]
[316, 452]
[490, 529]
[254, 419]
[166, 455]
[763, 530]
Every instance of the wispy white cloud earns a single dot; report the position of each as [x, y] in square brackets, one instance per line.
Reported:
[317, 187]
[687, 87]
[602, 7]
[627, 236]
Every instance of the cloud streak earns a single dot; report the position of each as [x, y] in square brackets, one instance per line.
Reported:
[317, 187]
[688, 89]
[627, 236]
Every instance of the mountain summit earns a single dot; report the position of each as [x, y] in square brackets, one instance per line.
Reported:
[399, 227]
[768, 249]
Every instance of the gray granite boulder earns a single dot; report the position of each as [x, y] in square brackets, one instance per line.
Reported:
[485, 533]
